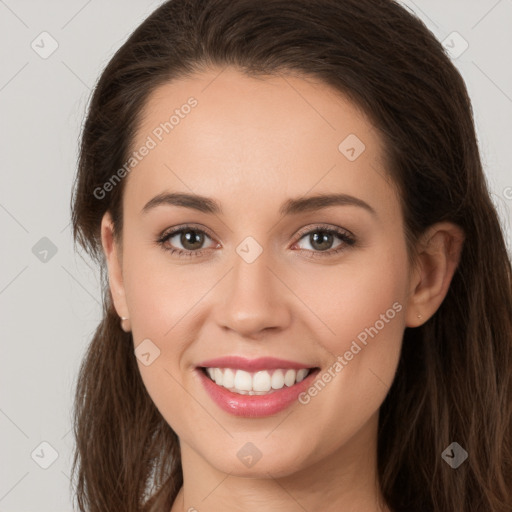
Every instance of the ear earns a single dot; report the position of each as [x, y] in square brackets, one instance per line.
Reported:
[439, 251]
[114, 263]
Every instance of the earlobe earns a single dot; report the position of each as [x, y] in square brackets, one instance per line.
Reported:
[115, 274]
[439, 252]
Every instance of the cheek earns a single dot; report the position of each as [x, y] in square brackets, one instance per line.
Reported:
[361, 298]
[159, 293]
[161, 299]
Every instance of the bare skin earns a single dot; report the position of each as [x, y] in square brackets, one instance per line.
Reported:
[252, 144]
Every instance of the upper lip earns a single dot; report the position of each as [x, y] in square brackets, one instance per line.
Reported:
[251, 365]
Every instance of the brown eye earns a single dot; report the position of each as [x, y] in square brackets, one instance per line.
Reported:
[321, 241]
[190, 239]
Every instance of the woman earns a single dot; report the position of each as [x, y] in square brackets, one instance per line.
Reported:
[307, 293]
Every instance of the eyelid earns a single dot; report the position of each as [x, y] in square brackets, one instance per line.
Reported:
[312, 227]
[177, 229]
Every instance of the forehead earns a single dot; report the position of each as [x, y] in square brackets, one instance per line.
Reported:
[225, 134]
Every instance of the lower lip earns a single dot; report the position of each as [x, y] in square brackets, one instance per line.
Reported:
[254, 406]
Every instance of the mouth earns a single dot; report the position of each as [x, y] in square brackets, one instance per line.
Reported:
[256, 388]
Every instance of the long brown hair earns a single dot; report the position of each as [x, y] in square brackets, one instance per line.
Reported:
[454, 379]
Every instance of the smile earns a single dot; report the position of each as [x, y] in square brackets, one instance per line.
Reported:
[254, 388]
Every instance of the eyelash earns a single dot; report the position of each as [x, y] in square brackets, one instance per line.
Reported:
[349, 240]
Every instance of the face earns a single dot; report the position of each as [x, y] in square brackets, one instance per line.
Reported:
[261, 275]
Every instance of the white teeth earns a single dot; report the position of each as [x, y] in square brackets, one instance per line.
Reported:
[229, 378]
[257, 383]
[289, 377]
[261, 381]
[278, 379]
[243, 380]
[301, 374]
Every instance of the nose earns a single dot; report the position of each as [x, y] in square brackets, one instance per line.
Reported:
[253, 298]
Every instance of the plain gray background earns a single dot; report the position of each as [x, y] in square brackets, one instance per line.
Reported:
[50, 301]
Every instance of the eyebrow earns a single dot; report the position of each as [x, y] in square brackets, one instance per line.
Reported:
[290, 207]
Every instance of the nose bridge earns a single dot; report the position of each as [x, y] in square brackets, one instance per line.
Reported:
[254, 298]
